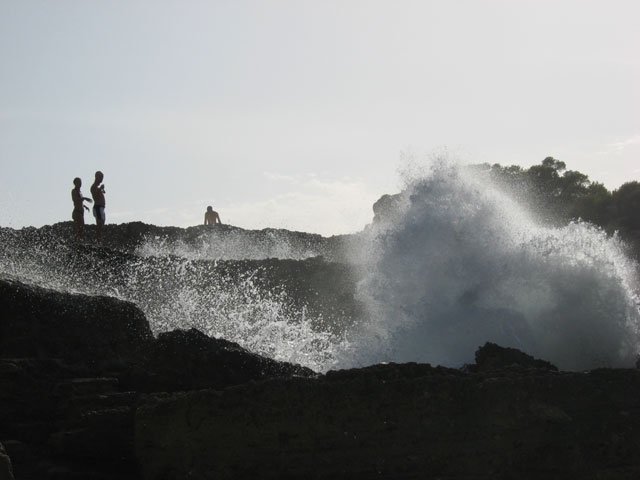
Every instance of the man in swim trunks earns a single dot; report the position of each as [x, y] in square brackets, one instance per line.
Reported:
[78, 208]
[211, 217]
[97, 192]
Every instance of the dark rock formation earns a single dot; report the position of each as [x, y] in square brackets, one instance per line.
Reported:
[387, 208]
[6, 472]
[72, 369]
[190, 360]
[68, 411]
[401, 421]
[86, 392]
[99, 332]
[494, 357]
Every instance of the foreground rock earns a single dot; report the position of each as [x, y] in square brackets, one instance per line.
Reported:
[189, 360]
[402, 421]
[74, 369]
[101, 333]
[6, 472]
[86, 392]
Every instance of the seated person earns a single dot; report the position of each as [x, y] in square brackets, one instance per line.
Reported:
[211, 217]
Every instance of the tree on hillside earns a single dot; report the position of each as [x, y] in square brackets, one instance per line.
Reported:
[626, 202]
[559, 195]
[596, 206]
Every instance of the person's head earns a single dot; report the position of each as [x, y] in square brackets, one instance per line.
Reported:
[209, 208]
[99, 176]
[77, 182]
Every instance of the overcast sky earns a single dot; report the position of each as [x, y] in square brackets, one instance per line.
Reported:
[296, 113]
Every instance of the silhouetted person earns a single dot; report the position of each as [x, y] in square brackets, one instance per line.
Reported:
[211, 217]
[78, 208]
[97, 192]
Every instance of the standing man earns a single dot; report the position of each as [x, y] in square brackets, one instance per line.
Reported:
[97, 192]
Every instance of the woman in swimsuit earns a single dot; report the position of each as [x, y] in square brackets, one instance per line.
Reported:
[78, 208]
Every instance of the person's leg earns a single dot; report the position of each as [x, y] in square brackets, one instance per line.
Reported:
[77, 225]
[99, 230]
[100, 221]
[98, 216]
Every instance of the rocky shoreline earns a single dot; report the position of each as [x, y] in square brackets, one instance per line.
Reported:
[88, 392]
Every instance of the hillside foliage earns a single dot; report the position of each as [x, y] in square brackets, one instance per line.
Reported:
[560, 195]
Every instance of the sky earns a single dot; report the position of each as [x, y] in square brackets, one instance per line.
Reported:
[296, 113]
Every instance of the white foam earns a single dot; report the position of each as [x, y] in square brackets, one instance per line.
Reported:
[461, 264]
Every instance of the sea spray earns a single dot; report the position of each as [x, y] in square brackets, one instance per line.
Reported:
[459, 263]
[177, 292]
[453, 262]
[180, 293]
[228, 243]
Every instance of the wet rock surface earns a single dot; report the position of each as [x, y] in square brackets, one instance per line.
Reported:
[218, 241]
[323, 286]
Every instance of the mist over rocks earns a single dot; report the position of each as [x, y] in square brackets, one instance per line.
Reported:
[447, 264]
[286, 308]
[222, 242]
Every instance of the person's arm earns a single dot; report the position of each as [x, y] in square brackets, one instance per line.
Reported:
[205, 219]
[218, 218]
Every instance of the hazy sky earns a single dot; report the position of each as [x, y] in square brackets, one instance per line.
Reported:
[296, 113]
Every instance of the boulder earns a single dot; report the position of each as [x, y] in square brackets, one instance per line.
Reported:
[96, 331]
[190, 360]
[491, 356]
[387, 208]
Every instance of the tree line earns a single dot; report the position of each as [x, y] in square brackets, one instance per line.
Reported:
[560, 196]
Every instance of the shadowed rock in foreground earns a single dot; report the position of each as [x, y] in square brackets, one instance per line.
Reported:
[401, 421]
[87, 392]
[74, 369]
